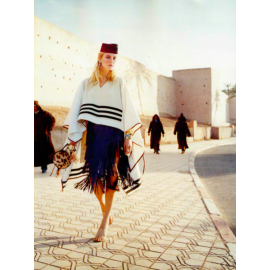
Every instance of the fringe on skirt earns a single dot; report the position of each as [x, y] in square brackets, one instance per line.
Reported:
[104, 145]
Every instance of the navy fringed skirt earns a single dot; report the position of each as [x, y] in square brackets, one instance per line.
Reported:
[105, 157]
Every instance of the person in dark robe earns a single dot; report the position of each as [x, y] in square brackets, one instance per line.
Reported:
[182, 130]
[156, 129]
[43, 125]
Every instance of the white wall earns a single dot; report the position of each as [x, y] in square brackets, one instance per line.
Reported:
[166, 93]
[199, 96]
[219, 102]
[193, 93]
[63, 60]
[232, 111]
[142, 84]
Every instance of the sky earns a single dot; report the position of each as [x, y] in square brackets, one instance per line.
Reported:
[164, 35]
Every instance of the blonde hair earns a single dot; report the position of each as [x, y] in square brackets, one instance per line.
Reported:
[96, 75]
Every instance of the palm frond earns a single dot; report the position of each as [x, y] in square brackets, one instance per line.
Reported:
[230, 91]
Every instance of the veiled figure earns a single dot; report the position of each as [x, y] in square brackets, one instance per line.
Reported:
[155, 128]
[182, 130]
[43, 146]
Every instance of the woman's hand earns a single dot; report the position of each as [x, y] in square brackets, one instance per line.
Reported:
[73, 143]
[127, 146]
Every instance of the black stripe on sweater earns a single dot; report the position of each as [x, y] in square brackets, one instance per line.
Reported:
[102, 107]
[103, 116]
[98, 111]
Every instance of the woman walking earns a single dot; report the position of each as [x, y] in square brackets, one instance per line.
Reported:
[114, 145]
[156, 129]
[182, 130]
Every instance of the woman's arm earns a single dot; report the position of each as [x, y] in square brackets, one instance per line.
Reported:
[73, 143]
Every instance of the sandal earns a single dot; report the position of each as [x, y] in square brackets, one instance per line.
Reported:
[101, 235]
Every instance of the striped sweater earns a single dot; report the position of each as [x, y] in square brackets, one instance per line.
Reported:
[109, 105]
[103, 105]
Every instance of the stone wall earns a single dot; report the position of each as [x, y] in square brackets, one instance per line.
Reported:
[193, 93]
[199, 96]
[232, 111]
[200, 133]
[63, 60]
[166, 101]
[218, 101]
[221, 132]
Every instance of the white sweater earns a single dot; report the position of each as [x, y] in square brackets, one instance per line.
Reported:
[109, 105]
[103, 105]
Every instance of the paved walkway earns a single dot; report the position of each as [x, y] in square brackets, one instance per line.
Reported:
[165, 225]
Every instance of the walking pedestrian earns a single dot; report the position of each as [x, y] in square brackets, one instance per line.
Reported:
[182, 130]
[43, 146]
[156, 128]
[104, 109]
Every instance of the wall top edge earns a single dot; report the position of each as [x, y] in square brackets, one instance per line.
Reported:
[37, 18]
[170, 78]
[191, 69]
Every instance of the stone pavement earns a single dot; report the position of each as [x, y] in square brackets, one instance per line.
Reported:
[165, 225]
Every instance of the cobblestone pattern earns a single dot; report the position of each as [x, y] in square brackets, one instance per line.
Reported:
[165, 225]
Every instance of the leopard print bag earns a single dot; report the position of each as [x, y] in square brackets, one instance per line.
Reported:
[64, 157]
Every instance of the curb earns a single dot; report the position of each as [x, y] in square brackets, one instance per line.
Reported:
[222, 227]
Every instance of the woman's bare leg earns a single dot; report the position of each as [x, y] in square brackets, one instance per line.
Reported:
[109, 198]
[100, 196]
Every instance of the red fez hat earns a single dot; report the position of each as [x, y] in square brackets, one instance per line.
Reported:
[109, 48]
